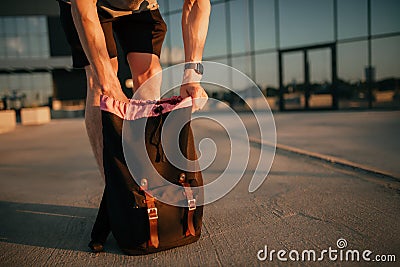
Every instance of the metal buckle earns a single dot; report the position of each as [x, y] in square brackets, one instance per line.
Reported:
[153, 214]
[192, 204]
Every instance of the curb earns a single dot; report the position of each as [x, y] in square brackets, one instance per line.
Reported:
[329, 159]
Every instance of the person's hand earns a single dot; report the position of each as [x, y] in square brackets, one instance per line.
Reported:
[197, 92]
[113, 89]
[191, 87]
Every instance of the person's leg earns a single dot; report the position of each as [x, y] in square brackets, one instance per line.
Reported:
[101, 228]
[143, 66]
[141, 37]
[93, 114]
[93, 119]
[92, 110]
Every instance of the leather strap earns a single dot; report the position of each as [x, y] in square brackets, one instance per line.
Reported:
[152, 212]
[191, 208]
[153, 220]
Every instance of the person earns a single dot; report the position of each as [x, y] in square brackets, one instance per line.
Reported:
[90, 27]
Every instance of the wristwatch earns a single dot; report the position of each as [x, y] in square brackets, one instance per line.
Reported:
[197, 67]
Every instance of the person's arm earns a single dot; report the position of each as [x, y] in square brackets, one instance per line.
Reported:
[195, 18]
[84, 13]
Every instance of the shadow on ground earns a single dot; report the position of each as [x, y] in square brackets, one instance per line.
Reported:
[48, 226]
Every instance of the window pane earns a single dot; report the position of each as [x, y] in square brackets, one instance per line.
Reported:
[47, 84]
[14, 46]
[352, 18]
[240, 26]
[2, 26]
[44, 46]
[38, 81]
[34, 46]
[264, 24]
[216, 37]
[4, 87]
[266, 77]
[175, 30]
[36, 25]
[266, 70]
[243, 65]
[385, 16]
[293, 80]
[385, 57]
[352, 60]
[175, 4]
[42, 25]
[10, 26]
[293, 68]
[173, 52]
[305, 22]
[21, 26]
[23, 51]
[162, 6]
[25, 82]
[320, 65]
[221, 60]
[14, 82]
[3, 47]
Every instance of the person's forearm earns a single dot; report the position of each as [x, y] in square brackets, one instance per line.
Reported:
[195, 17]
[92, 38]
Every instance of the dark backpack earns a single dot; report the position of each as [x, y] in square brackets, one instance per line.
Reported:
[141, 223]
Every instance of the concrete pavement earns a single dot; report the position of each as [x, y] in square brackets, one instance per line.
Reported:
[50, 190]
[369, 138]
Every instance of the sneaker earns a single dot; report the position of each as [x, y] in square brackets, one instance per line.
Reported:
[96, 246]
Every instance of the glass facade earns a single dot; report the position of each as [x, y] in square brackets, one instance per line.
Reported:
[23, 39]
[250, 35]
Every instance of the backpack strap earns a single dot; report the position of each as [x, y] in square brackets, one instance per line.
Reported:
[152, 213]
[191, 205]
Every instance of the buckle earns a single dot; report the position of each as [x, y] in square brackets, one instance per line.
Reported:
[192, 204]
[153, 214]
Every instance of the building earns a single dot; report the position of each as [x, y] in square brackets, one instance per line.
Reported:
[308, 54]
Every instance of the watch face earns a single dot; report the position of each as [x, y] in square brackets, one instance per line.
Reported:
[197, 67]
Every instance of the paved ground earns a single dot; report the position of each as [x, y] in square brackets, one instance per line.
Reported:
[50, 188]
[368, 138]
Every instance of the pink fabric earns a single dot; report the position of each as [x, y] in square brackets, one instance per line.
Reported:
[137, 109]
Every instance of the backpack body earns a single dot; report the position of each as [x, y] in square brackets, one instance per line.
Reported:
[140, 222]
